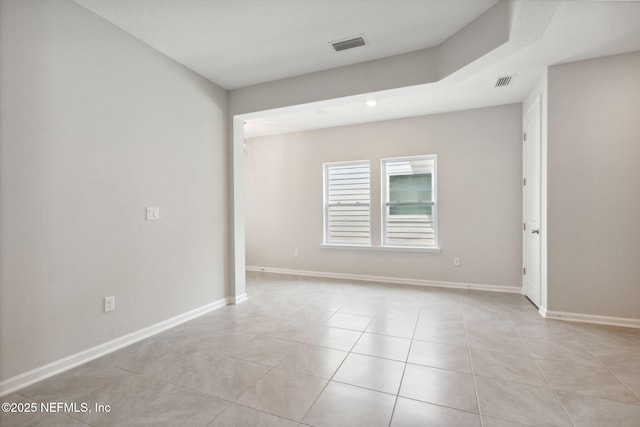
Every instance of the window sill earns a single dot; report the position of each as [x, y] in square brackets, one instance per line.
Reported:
[382, 248]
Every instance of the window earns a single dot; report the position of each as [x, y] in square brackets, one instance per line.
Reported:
[409, 207]
[347, 192]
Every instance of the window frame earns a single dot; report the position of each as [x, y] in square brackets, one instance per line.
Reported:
[326, 205]
[385, 203]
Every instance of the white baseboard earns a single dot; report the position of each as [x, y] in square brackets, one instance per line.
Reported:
[542, 310]
[237, 300]
[397, 280]
[590, 318]
[27, 378]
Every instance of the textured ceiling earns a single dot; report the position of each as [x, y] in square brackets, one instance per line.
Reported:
[237, 43]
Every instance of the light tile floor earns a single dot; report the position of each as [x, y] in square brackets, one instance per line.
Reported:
[321, 352]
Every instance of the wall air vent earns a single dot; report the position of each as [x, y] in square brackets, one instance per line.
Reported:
[503, 81]
[341, 45]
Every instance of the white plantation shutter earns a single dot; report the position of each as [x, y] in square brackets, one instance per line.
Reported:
[409, 212]
[347, 203]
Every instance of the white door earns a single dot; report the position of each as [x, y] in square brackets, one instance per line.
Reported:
[531, 150]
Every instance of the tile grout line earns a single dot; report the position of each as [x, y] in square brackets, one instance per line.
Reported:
[563, 407]
[473, 374]
[553, 390]
[518, 382]
[616, 377]
[271, 368]
[581, 335]
[404, 369]
[334, 372]
[254, 409]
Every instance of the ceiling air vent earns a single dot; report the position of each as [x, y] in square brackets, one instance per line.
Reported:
[341, 45]
[503, 81]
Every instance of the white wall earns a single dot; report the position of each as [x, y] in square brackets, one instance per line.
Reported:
[594, 186]
[96, 126]
[479, 194]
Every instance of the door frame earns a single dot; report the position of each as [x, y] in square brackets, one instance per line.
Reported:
[539, 93]
[527, 117]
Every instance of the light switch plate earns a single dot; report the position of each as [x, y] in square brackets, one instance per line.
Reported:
[153, 213]
[109, 303]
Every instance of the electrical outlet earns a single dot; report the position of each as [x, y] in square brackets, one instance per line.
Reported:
[109, 303]
[295, 252]
[456, 261]
[153, 213]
